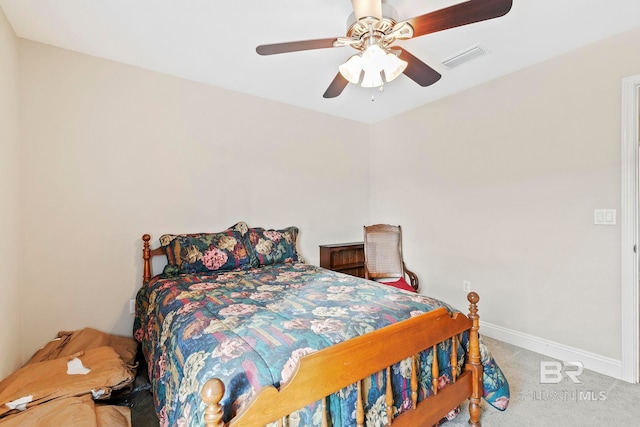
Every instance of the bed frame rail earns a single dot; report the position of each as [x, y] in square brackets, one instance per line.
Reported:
[322, 373]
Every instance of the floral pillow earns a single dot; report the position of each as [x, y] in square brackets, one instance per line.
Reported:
[274, 246]
[207, 252]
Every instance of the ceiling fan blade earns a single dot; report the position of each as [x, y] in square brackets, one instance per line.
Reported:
[457, 15]
[336, 87]
[367, 8]
[417, 70]
[272, 49]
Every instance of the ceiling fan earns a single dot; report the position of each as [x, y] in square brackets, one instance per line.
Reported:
[373, 33]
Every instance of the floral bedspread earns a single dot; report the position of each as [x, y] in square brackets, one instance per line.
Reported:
[249, 328]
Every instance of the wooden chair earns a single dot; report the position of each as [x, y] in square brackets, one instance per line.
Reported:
[383, 254]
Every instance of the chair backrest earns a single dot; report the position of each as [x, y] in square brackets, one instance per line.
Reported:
[383, 251]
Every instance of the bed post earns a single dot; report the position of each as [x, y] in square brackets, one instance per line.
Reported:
[146, 256]
[473, 363]
[211, 394]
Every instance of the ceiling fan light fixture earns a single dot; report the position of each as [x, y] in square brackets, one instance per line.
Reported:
[372, 78]
[373, 61]
[373, 56]
[393, 66]
[352, 69]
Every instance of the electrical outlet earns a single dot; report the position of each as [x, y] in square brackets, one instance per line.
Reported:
[466, 286]
[132, 306]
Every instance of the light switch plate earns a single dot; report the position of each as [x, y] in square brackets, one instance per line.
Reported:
[604, 216]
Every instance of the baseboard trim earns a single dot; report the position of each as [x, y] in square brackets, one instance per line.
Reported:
[595, 362]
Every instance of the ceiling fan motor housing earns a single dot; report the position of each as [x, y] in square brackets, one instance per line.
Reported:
[370, 30]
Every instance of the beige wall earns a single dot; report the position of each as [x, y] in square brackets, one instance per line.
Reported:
[497, 185]
[112, 152]
[9, 185]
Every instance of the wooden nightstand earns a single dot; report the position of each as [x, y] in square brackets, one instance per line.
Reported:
[343, 257]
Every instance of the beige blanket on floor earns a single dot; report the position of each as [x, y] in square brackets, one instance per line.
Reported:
[65, 377]
[71, 342]
[71, 412]
[58, 384]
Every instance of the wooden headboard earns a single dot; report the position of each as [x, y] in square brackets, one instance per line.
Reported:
[147, 254]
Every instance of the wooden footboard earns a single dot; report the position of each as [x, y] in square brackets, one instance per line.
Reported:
[322, 373]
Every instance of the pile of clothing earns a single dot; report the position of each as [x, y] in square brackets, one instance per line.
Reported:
[64, 382]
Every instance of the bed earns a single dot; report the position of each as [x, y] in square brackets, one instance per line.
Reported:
[238, 330]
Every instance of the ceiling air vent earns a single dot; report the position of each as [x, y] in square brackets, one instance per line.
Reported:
[465, 56]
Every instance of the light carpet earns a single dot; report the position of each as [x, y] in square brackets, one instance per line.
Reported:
[598, 400]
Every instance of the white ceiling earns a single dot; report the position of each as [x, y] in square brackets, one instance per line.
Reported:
[214, 42]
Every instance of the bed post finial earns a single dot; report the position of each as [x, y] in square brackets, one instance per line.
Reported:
[211, 394]
[146, 256]
[474, 360]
